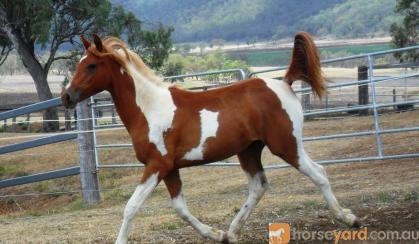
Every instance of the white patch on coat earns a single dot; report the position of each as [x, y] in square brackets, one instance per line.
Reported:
[156, 103]
[292, 106]
[83, 58]
[122, 71]
[134, 203]
[209, 127]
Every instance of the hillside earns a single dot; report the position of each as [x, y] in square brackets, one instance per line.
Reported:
[250, 20]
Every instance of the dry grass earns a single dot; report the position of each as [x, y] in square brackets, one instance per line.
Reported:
[378, 191]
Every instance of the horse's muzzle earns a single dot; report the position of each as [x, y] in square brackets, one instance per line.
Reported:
[70, 98]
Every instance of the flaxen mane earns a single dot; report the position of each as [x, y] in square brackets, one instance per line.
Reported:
[118, 51]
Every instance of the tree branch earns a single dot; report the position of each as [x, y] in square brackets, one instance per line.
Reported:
[66, 56]
[5, 53]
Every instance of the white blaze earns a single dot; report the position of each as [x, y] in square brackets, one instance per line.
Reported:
[82, 58]
[209, 127]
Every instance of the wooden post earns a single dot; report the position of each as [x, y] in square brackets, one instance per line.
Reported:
[394, 99]
[305, 98]
[363, 98]
[14, 124]
[113, 116]
[28, 119]
[67, 118]
[88, 173]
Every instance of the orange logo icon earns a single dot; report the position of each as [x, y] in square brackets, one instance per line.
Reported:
[279, 233]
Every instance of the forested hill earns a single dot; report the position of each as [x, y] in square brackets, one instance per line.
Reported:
[244, 20]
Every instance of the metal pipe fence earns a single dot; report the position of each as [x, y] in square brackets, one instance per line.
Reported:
[374, 106]
[97, 126]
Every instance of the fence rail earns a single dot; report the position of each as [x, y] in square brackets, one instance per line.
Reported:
[370, 80]
[36, 143]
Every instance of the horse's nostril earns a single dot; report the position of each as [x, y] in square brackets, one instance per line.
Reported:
[67, 97]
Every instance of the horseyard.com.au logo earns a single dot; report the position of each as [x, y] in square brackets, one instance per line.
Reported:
[279, 233]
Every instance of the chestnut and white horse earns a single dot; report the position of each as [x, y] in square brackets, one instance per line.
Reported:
[172, 128]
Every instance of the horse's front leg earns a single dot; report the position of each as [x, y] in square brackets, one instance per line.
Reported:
[150, 179]
[174, 186]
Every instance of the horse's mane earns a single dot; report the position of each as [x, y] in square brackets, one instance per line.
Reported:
[118, 51]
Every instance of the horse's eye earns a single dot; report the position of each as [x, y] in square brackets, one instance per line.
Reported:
[91, 67]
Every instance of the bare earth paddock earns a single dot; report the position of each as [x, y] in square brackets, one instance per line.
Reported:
[383, 193]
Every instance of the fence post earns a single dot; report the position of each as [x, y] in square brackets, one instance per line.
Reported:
[394, 99]
[14, 124]
[363, 96]
[305, 97]
[67, 119]
[113, 115]
[28, 119]
[88, 173]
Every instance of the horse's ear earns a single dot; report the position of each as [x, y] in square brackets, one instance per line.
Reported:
[98, 42]
[86, 43]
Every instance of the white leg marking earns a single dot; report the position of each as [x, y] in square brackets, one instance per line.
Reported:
[209, 127]
[156, 103]
[318, 175]
[313, 170]
[257, 187]
[179, 205]
[140, 194]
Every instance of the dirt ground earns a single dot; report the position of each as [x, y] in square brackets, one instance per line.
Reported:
[383, 193]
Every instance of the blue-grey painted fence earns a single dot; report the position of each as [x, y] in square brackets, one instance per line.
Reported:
[36, 143]
[40, 177]
[76, 170]
[31, 108]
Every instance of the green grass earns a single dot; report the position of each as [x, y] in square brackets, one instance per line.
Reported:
[412, 196]
[282, 57]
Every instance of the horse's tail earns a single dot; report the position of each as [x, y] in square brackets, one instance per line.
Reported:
[305, 64]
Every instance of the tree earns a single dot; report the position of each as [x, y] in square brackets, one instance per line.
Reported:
[33, 27]
[406, 33]
[5, 46]
[153, 46]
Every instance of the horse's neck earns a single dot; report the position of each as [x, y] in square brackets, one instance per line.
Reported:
[140, 101]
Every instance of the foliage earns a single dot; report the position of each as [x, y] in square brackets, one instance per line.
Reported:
[406, 33]
[352, 18]
[153, 46]
[178, 64]
[282, 57]
[250, 20]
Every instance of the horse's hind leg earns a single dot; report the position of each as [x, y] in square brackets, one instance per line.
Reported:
[293, 153]
[251, 164]
[174, 186]
[318, 175]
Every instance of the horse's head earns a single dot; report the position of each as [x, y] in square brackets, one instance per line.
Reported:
[92, 74]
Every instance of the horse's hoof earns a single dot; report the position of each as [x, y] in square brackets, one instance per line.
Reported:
[229, 238]
[357, 223]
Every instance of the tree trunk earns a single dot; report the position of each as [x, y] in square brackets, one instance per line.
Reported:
[39, 75]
